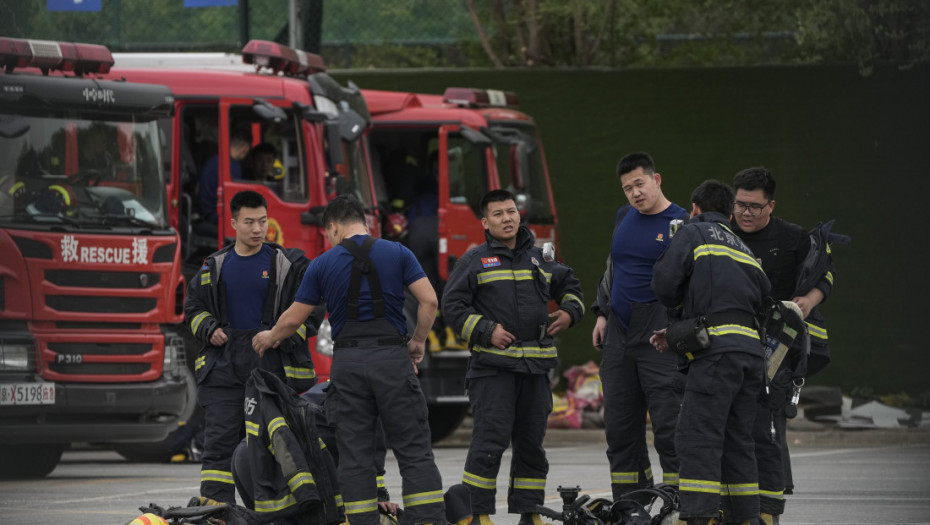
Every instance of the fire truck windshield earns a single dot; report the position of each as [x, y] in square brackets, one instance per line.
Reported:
[521, 169]
[87, 173]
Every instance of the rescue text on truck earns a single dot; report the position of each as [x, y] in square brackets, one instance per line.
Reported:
[90, 281]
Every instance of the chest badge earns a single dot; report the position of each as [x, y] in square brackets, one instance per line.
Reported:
[660, 237]
[534, 261]
[264, 274]
[490, 262]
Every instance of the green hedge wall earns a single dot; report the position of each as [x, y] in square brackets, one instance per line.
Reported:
[841, 146]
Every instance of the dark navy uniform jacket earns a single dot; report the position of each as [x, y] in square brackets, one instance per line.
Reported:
[492, 284]
[708, 271]
[205, 310]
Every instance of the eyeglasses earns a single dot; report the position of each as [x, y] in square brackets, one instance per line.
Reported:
[754, 209]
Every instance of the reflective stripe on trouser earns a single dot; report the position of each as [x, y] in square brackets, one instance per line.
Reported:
[714, 439]
[768, 452]
[221, 394]
[381, 381]
[508, 407]
[636, 378]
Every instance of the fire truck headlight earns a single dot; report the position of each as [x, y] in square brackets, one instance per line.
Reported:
[324, 339]
[16, 357]
[174, 355]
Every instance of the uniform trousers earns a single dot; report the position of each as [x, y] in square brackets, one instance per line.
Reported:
[221, 393]
[508, 407]
[636, 378]
[368, 381]
[714, 438]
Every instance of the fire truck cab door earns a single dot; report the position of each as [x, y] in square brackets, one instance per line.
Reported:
[464, 177]
[277, 133]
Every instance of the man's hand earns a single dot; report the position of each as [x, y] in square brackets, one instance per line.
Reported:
[263, 341]
[389, 507]
[218, 338]
[501, 338]
[658, 340]
[600, 331]
[808, 301]
[561, 321]
[416, 349]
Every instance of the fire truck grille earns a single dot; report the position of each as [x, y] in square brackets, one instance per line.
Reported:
[100, 369]
[99, 348]
[94, 279]
[74, 358]
[109, 305]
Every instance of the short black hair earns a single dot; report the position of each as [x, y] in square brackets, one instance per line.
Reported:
[713, 195]
[344, 210]
[632, 161]
[264, 148]
[757, 178]
[246, 199]
[241, 133]
[495, 196]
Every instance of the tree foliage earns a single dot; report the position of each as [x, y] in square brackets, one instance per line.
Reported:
[518, 33]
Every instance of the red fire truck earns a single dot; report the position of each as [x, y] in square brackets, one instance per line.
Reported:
[91, 289]
[457, 146]
[318, 128]
[286, 102]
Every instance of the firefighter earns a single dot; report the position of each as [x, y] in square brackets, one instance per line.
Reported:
[362, 281]
[239, 290]
[636, 378]
[782, 249]
[497, 300]
[713, 278]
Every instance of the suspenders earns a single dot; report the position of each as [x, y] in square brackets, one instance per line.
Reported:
[363, 265]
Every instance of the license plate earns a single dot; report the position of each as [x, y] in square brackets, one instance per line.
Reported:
[27, 394]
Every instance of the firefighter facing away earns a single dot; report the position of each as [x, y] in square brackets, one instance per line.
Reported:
[362, 281]
[497, 300]
[711, 277]
[238, 291]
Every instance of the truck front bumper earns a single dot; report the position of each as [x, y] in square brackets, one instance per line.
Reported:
[99, 412]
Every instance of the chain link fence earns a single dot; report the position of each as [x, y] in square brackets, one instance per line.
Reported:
[348, 33]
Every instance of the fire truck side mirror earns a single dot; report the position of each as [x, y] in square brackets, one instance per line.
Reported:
[351, 125]
[314, 217]
[310, 114]
[268, 111]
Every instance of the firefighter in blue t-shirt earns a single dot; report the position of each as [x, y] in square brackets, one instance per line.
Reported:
[635, 377]
[362, 281]
[239, 290]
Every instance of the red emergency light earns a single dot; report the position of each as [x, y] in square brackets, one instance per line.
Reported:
[51, 56]
[280, 58]
[479, 97]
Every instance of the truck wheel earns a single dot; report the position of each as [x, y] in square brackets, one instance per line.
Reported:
[444, 419]
[29, 461]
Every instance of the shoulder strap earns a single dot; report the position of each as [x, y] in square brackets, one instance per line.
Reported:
[363, 265]
[271, 296]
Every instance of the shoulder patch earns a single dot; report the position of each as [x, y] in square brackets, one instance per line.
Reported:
[489, 262]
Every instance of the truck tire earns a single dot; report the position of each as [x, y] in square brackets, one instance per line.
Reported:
[29, 461]
[444, 419]
[160, 451]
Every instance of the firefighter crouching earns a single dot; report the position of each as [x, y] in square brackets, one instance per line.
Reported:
[497, 301]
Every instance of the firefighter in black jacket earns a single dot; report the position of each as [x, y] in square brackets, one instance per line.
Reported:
[783, 249]
[497, 301]
[239, 290]
[708, 272]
